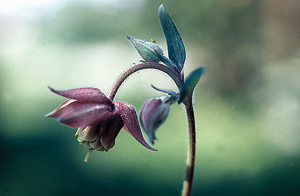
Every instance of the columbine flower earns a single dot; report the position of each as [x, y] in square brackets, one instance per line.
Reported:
[152, 115]
[98, 119]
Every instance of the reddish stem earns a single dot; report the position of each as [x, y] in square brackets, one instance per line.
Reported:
[147, 65]
[179, 80]
[190, 164]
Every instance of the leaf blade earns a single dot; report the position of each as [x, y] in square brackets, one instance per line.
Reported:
[176, 48]
[190, 84]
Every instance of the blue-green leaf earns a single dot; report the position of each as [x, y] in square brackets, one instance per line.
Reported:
[168, 62]
[189, 84]
[172, 95]
[175, 45]
[170, 92]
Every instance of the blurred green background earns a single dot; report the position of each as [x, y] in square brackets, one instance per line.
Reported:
[247, 105]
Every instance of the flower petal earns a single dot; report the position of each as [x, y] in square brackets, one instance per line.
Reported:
[175, 45]
[55, 113]
[78, 114]
[88, 94]
[130, 120]
[110, 131]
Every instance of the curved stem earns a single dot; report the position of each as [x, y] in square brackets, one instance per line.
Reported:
[187, 184]
[147, 65]
[190, 165]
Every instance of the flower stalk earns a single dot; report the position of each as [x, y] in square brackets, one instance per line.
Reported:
[187, 184]
[190, 162]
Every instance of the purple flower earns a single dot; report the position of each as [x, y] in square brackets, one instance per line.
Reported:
[98, 119]
[153, 114]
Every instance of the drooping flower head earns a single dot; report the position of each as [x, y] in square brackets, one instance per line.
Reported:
[98, 119]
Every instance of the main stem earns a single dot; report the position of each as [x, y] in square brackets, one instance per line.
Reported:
[190, 164]
[187, 184]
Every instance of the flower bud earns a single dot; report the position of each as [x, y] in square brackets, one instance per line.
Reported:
[147, 49]
[153, 114]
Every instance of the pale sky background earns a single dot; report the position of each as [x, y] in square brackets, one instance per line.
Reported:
[34, 8]
[17, 7]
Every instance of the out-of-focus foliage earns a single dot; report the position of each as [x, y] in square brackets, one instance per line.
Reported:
[210, 20]
[229, 31]
[79, 22]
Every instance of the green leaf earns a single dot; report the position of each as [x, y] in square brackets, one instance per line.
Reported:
[189, 84]
[176, 48]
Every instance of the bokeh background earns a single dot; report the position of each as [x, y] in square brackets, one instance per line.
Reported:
[247, 105]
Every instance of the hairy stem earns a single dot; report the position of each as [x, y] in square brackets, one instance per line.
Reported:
[190, 164]
[147, 65]
[187, 184]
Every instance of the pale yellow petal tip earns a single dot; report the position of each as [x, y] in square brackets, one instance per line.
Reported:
[78, 131]
[87, 157]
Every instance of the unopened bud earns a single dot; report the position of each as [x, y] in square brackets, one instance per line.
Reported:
[153, 114]
[147, 49]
